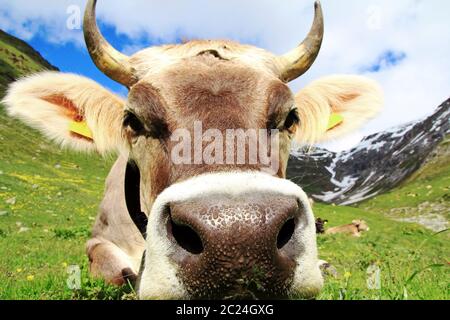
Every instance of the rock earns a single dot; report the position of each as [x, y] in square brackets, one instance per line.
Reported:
[327, 269]
[378, 164]
[432, 221]
[431, 215]
[11, 201]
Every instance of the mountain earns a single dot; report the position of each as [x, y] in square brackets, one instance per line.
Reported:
[378, 164]
[17, 58]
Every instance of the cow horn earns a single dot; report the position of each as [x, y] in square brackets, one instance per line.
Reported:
[110, 61]
[298, 61]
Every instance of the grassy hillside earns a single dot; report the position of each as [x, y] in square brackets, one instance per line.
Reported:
[49, 198]
[17, 58]
[413, 261]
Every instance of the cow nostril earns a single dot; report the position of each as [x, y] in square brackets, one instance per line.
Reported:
[185, 237]
[286, 233]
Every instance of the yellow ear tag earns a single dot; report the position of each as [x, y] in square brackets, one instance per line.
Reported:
[81, 129]
[335, 120]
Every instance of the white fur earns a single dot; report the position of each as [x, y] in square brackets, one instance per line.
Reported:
[102, 110]
[159, 278]
[356, 98]
[151, 62]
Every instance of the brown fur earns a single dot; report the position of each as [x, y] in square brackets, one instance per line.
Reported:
[68, 106]
[354, 229]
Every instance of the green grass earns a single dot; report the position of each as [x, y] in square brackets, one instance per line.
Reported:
[414, 261]
[48, 201]
[398, 249]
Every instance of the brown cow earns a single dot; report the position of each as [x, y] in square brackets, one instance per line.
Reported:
[355, 228]
[214, 230]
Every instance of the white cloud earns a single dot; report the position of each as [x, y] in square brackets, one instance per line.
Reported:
[28, 18]
[357, 33]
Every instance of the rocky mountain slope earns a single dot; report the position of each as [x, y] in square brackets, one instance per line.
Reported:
[379, 163]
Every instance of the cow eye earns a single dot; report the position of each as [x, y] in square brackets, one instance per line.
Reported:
[130, 120]
[291, 121]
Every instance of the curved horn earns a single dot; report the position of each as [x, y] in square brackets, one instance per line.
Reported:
[110, 61]
[298, 61]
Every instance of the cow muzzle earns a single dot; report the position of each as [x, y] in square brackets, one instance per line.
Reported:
[230, 235]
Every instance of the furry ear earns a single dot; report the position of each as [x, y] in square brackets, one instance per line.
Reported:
[71, 110]
[348, 101]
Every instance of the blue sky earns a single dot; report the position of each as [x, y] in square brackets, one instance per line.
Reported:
[70, 57]
[402, 44]
[388, 59]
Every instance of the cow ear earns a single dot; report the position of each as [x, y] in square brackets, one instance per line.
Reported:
[71, 110]
[336, 105]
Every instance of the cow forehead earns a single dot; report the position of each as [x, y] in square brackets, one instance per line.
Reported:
[207, 87]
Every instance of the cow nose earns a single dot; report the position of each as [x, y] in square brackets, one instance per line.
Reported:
[232, 246]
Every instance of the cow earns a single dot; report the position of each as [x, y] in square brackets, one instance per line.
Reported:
[201, 230]
[354, 229]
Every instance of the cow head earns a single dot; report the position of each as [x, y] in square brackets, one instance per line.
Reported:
[215, 228]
